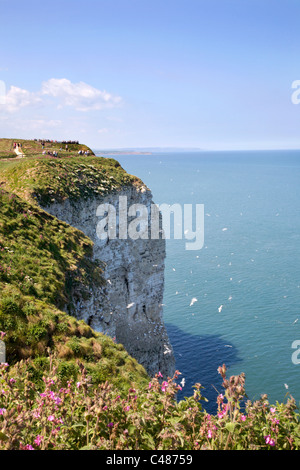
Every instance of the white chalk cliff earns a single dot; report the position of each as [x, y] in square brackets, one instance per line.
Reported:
[129, 305]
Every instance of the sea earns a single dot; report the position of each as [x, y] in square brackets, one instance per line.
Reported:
[235, 301]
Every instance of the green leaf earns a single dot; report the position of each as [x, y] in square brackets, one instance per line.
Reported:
[78, 426]
[131, 429]
[3, 437]
[230, 427]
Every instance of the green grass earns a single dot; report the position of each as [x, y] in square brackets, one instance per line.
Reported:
[43, 261]
[48, 180]
[32, 148]
[7, 149]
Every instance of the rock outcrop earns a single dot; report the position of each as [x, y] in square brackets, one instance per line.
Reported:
[129, 306]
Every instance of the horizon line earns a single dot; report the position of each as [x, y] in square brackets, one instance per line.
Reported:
[195, 149]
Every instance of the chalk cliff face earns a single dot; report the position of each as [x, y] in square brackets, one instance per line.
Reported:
[129, 306]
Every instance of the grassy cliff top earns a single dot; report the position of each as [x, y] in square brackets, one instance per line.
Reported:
[34, 148]
[53, 179]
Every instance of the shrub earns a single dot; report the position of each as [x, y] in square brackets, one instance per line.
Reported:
[66, 410]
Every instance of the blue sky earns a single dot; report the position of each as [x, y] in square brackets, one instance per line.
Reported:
[213, 74]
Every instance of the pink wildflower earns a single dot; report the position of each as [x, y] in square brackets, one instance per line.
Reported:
[55, 431]
[275, 421]
[164, 385]
[269, 440]
[51, 418]
[38, 440]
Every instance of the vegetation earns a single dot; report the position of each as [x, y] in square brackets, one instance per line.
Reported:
[34, 148]
[49, 180]
[76, 415]
[43, 261]
[69, 387]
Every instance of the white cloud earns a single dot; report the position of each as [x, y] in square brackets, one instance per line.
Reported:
[43, 123]
[104, 130]
[80, 96]
[17, 98]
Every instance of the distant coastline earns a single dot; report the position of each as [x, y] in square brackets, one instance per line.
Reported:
[121, 152]
[145, 150]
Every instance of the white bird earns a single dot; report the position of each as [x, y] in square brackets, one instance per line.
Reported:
[220, 308]
[182, 383]
[130, 305]
[193, 301]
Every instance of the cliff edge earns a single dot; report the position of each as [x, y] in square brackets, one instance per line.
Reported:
[128, 306]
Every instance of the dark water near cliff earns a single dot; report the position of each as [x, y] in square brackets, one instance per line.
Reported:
[249, 264]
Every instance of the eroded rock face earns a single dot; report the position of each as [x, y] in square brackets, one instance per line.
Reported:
[129, 306]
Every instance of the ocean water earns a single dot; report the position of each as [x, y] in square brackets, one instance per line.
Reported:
[249, 264]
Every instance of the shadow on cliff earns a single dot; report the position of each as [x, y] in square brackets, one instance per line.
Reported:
[198, 358]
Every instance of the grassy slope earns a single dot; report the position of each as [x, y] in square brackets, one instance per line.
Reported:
[47, 180]
[32, 148]
[42, 260]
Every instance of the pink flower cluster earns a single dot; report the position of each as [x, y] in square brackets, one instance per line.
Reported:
[269, 440]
